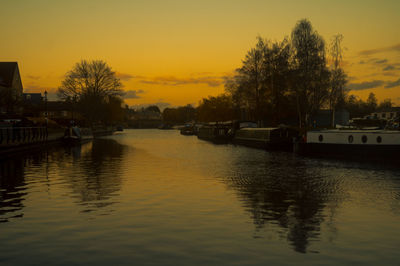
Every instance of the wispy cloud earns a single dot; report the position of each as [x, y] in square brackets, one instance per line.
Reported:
[365, 85]
[392, 84]
[393, 48]
[373, 84]
[212, 81]
[123, 76]
[380, 61]
[33, 77]
[132, 94]
[389, 67]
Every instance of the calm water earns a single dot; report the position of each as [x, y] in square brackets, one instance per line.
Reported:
[156, 197]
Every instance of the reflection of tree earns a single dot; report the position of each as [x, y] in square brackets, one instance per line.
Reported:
[284, 192]
[12, 189]
[97, 174]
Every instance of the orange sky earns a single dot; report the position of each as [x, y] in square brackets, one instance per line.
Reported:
[177, 52]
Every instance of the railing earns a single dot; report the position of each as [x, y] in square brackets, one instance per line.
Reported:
[10, 136]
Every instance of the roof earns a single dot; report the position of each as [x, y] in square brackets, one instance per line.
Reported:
[7, 70]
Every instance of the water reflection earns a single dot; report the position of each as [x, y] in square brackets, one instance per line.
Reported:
[95, 175]
[12, 189]
[92, 172]
[285, 191]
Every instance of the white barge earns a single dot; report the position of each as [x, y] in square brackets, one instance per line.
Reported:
[361, 143]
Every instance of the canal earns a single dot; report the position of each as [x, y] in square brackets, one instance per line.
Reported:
[146, 197]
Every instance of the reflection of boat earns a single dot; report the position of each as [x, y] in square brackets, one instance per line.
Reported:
[75, 135]
[359, 143]
[280, 138]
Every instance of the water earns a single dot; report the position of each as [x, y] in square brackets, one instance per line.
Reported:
[148, 197]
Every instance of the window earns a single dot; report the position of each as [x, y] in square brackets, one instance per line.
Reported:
[351, 139]
[379, 139]
[364, 139]
[320, 138]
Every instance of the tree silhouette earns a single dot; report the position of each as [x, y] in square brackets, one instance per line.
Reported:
[94, 87]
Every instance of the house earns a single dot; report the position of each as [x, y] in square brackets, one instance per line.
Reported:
[387, 114]
[10, 87]
[32, 98]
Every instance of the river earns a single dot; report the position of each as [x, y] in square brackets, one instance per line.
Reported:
[155, 197]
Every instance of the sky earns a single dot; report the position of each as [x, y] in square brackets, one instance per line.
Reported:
[174, 53]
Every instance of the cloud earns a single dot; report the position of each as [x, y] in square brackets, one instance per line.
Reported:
[123, 76]
[33, 77]
[373, 84]
[365, 85]
[380, 61]
[392, 84]
[388, 67]
[212, 81]
[393, 48]
[132, 94]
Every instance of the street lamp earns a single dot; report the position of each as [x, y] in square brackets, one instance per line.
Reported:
[45, 107]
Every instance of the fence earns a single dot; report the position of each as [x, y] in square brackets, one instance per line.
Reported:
[12, 136]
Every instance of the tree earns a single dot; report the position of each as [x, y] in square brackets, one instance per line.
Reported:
[179, 115]
[276, 74]
[338, 77]
[216, 109]
[310, 75]
[90, 78]
[372, 102]
[93, 86]
[153, 108]
[249, 86]
[386, 104]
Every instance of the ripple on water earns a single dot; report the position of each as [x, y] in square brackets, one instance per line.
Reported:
[156, 197]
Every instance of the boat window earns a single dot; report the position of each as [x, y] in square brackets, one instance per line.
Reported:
[364, 139]
[321, 138]
[351, 138]
[379, 139]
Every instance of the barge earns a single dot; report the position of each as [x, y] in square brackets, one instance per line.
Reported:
[279, 138]
[363, 144]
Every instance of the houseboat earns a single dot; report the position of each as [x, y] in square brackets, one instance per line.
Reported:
[76, 135]
[279, 138]
[360, 143]
[216, 132]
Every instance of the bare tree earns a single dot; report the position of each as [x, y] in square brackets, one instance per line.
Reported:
[94, 88]
[90, 78]
[338, 77]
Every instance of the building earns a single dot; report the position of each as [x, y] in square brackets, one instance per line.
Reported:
[10, 87]
[388, 114]
[33, 98]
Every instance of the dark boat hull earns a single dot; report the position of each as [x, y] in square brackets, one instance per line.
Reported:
[357, 151]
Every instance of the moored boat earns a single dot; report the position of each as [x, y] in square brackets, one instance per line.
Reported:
[363, 144]
[279, 138]
[216, 132]
[76, 135]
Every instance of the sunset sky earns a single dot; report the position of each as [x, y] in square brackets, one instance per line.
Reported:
[178, 52]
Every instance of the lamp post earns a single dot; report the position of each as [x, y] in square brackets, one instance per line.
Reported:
[45, 107]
